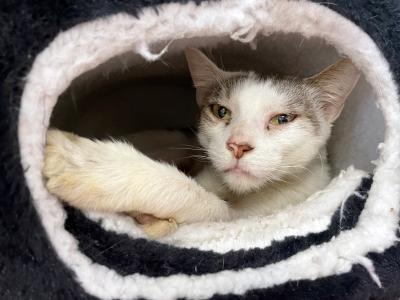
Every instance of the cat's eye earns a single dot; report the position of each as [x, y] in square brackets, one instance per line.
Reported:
[282, 119]
[221, 112]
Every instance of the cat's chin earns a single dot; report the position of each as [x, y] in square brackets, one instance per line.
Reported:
[241, 182]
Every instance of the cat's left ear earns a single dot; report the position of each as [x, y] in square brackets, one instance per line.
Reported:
[336, 82]
[205, 74]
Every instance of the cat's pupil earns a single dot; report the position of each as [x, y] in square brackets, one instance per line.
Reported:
[222, 112]
[283, 119]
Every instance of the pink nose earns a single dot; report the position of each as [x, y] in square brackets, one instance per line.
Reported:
[238, 150]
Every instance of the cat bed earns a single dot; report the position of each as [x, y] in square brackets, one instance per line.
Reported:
[110, 67]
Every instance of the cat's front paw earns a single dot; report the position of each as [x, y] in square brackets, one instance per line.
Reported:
[160, 228]
[65, 169]
[155, 227]
[56, 163]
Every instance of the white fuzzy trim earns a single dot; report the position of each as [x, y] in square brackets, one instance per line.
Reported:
[99, 40]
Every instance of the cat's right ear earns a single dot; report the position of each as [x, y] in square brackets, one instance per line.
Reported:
[336, 81]
[205, 74]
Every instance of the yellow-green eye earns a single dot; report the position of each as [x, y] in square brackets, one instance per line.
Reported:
[221, 112]
[282, 119]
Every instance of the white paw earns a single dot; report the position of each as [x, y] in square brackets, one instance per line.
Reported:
[153, 226]
[160, 228]
[62, 163]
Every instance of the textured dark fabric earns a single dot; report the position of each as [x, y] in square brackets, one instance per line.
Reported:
[29, 267]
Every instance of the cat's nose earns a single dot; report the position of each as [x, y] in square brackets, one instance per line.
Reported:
[238, 150]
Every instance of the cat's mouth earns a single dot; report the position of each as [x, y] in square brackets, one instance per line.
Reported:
[239, 171]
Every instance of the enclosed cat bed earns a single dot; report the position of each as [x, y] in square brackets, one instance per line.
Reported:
[114, 69]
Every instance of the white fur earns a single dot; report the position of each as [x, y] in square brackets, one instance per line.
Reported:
[97, 41]
[283, 163]
[113, 176]
[283, 168]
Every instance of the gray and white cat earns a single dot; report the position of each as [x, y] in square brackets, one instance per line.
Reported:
[265, 139]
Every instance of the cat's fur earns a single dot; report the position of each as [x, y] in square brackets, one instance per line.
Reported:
[282, 164]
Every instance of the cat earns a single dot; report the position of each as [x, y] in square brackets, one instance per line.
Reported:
[265, 139]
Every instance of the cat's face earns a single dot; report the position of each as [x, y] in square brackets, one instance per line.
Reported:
[257, 131]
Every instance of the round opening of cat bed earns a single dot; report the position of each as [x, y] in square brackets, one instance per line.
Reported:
[123, 74]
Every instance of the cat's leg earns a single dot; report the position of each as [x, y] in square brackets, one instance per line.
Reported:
[212, 182]
[115, 177]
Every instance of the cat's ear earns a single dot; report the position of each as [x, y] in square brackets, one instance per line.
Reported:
[336, 82]
[205, 74]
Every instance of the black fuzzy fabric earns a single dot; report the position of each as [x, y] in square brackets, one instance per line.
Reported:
[29, 266]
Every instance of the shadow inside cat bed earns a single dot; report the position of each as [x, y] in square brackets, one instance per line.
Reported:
[127, 95]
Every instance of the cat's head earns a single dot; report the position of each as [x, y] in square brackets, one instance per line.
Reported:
[258, 130]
